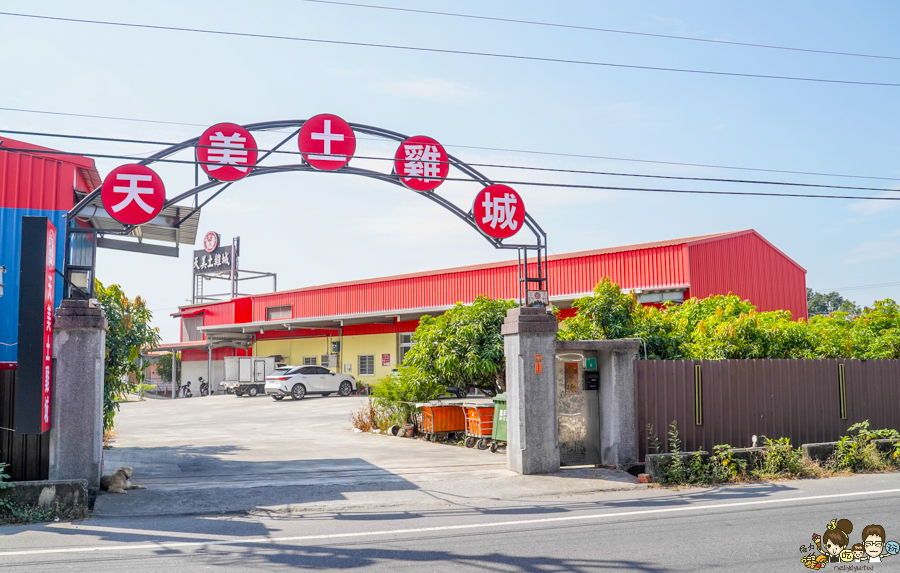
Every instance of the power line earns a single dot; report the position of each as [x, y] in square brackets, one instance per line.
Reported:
[454, 52]
[861, 287]
[494, 165]
[608, 30]
[509, 150]
[520, 183]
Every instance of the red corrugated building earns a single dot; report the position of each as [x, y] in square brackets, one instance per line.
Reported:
[34, 182]
[365, 325]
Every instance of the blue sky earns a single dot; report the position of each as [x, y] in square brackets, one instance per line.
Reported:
[315, 228]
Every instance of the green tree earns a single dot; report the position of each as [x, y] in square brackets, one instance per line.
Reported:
[129, 331]
[462, 347]
[606, 313]
[164, 366]
[824, 304]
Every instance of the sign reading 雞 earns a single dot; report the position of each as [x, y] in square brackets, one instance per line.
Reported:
[421, 163]
[133, 194]
[327, 142]
[227, 152]
[37, 280]
[499, 211]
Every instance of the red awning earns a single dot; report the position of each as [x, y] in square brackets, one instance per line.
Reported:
[189, 313]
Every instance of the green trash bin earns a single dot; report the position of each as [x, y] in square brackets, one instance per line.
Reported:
[499, 433]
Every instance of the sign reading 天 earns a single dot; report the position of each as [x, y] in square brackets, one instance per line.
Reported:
[133, 194]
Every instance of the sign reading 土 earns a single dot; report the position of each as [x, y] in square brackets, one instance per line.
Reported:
[327, 142]
[37, 282]
[499, 211]
[227, 152]
[421, 162]
[133, 194]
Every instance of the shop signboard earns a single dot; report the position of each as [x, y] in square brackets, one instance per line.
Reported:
[37, 280]
[499, 211]
[421, 162]
[227, 152]
[133, 194]
[327, 142]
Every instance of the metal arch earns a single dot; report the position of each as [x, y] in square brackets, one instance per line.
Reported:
[525, 280]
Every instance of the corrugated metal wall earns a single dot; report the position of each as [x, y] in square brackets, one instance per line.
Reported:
[752, 269]
[28, 456]
[797, 399]
[640, 268]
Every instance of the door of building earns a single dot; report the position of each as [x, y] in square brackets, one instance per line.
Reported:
[578, 407]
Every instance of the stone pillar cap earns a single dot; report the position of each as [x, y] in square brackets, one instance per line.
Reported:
[529, 320]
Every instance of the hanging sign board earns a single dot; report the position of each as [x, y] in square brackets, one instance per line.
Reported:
[326, 142]
[227, 152]
[37, 280]
[133, 194]
[499, 211]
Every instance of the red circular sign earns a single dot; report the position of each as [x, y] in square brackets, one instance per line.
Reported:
[499, 211]
[421, 163]
[327, 142]
[133, 194]
[210, 241]
[227, 152]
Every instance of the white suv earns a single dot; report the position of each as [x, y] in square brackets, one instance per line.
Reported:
[298, 381]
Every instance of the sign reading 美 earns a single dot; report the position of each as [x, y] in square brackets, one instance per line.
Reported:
[37, 280]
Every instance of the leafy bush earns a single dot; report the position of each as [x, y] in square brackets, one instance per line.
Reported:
[782, 459]
[859, 453]
[724, 326]
[395, 395]
[725, 464]
[129, 330]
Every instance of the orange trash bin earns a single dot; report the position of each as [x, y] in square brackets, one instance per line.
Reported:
[479, 425]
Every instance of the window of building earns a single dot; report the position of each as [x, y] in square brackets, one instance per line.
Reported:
[404, 344]
[190, 328]
[309, 360]
[366, 365]
[278, 312]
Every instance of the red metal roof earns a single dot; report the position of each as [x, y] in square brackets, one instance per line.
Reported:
[741, 262]
[34, 179]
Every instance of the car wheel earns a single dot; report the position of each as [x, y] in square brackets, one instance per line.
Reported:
[252, 391]
[298, 391]
[277, 397]
[346, 388]
[462, 392]
[238, 393]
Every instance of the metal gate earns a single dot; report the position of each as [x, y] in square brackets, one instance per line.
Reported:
[578, 407]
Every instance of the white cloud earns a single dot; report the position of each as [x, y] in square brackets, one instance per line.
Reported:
[872, 251]
[433, 89]
[868, 208]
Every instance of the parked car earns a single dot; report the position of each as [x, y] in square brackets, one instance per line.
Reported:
[298, 381]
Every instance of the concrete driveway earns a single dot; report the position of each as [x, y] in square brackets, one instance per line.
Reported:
[223, 453]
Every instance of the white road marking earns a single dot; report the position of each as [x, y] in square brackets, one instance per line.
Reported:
[493, 524]
[76, 527]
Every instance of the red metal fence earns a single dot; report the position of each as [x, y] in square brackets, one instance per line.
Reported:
[728, 401]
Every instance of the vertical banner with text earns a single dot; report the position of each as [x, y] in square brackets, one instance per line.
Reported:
[37, 280]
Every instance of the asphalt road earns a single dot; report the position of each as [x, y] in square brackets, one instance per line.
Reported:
[758, 527]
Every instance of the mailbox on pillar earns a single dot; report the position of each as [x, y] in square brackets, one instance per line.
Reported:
[37, 279]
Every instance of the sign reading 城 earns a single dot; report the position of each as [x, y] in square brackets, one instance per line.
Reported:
[499, 211]
[37, 280]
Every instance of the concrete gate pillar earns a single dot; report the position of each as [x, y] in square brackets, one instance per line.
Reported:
[76, 413]
[530, 348]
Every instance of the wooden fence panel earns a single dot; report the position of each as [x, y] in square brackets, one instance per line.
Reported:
[797, 399]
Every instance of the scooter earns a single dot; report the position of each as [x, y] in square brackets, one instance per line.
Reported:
[186, 390]
[204, 387]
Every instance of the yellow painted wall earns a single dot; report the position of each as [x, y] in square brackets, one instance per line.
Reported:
[375, 344]
[294, 349]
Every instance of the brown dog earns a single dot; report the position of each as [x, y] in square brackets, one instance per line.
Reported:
[118, 482]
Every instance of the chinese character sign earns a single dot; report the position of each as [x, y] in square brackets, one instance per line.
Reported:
[327, 142]
[499, 211]
[133, 194]
[227, 152]
[421, 163]
[217, 261]
[47, 346]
